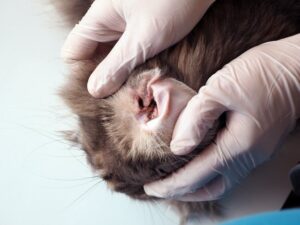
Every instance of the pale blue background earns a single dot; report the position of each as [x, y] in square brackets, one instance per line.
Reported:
[45, 181]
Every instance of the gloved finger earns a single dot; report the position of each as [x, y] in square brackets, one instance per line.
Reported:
[195, 120]
[101, 23]
[220, 94]
[201, 170]
[227, 156]
[134, 47]
[214, 190]
[78, 48]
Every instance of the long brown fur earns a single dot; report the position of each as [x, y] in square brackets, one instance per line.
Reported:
[229, 28]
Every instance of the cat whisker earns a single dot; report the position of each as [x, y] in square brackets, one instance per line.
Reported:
[83, 194]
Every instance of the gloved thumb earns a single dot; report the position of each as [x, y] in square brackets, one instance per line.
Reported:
[195, 120]
[131, 50]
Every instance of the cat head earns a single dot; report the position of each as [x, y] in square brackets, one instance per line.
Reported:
[126, 136]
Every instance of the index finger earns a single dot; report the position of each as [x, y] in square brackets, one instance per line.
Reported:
[101, 23]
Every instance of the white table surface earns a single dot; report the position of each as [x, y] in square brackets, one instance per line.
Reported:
[43, 180]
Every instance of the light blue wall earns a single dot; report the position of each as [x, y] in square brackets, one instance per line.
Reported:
[44, 181]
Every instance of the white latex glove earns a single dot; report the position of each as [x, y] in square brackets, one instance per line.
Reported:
[143, 28]
[260, 90]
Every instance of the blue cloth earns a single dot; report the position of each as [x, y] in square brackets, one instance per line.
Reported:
[285, 217]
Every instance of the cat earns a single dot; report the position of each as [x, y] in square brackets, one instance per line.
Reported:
[120, 146]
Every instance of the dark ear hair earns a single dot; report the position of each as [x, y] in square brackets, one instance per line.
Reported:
[72, 10]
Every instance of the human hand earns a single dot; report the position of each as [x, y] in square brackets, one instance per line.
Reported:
[260, 91]
[142, 29]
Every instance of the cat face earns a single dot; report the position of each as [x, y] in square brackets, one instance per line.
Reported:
[127, 135]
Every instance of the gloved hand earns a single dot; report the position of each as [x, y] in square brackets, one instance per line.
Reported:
[260, 91]
[143, 28]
